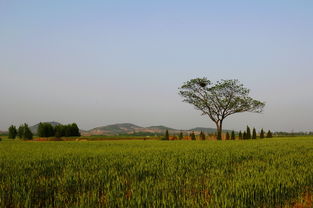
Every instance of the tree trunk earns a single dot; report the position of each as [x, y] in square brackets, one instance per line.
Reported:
[219, 128]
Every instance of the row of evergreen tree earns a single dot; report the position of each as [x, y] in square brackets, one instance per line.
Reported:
[247, 134]
[44, 130]
[229, 136]
[47, 130]
[23, 132]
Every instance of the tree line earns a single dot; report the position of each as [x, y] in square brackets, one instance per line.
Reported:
[44, 130]
[247, 134]
[47, 130]
[23, 132]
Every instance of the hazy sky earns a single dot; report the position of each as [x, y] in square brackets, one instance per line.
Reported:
[103, 62]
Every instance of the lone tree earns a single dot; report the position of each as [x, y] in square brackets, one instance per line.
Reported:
[219, 100]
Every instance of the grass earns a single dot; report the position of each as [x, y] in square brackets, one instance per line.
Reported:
[261, 173]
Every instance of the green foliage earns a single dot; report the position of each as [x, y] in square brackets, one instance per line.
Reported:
[227, 136]
[244, 137]
[74, 129]
[233, 136]
[12, 132]
[240, 135]
[181, 136]
[269, 134]
[28, 135]
[262, 135]
[20, 131]
[202, 136]
[45, 130]
[59, 131]
[192, 136]
[24, 132]
[254, 134]
[248, 135]
[70, 130]
[219, 100]
[257, 173]
[166, 136]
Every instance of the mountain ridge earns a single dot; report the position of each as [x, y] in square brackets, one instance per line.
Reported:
[130, 128]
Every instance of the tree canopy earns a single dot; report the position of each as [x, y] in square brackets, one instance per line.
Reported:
[24, 132]
[219, 100]
[12, 132]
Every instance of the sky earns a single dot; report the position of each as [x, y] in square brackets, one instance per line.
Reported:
[104, 62]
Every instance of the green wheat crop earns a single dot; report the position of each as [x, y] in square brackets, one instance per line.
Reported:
[258, 173]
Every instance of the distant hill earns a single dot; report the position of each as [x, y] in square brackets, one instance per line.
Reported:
[115, 129]
[34, 128]
[128, 128]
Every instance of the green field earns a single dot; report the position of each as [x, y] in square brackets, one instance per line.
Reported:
[261, 173]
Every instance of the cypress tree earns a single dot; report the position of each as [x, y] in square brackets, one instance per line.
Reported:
[50, 130]
[74, 130]
[167, 136]
[41, 130]
[269, 134]
[248, 135]
[59, 131]
[193, 136]
[20, 131]
[28, 135]
[202, 136]
[244, 136]
[233, 137]
[181, 136]
[67, 131]
[254, 134]
[45, 130]
[12, 132]
[227, 136]
[262, 134]
[240, 135]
